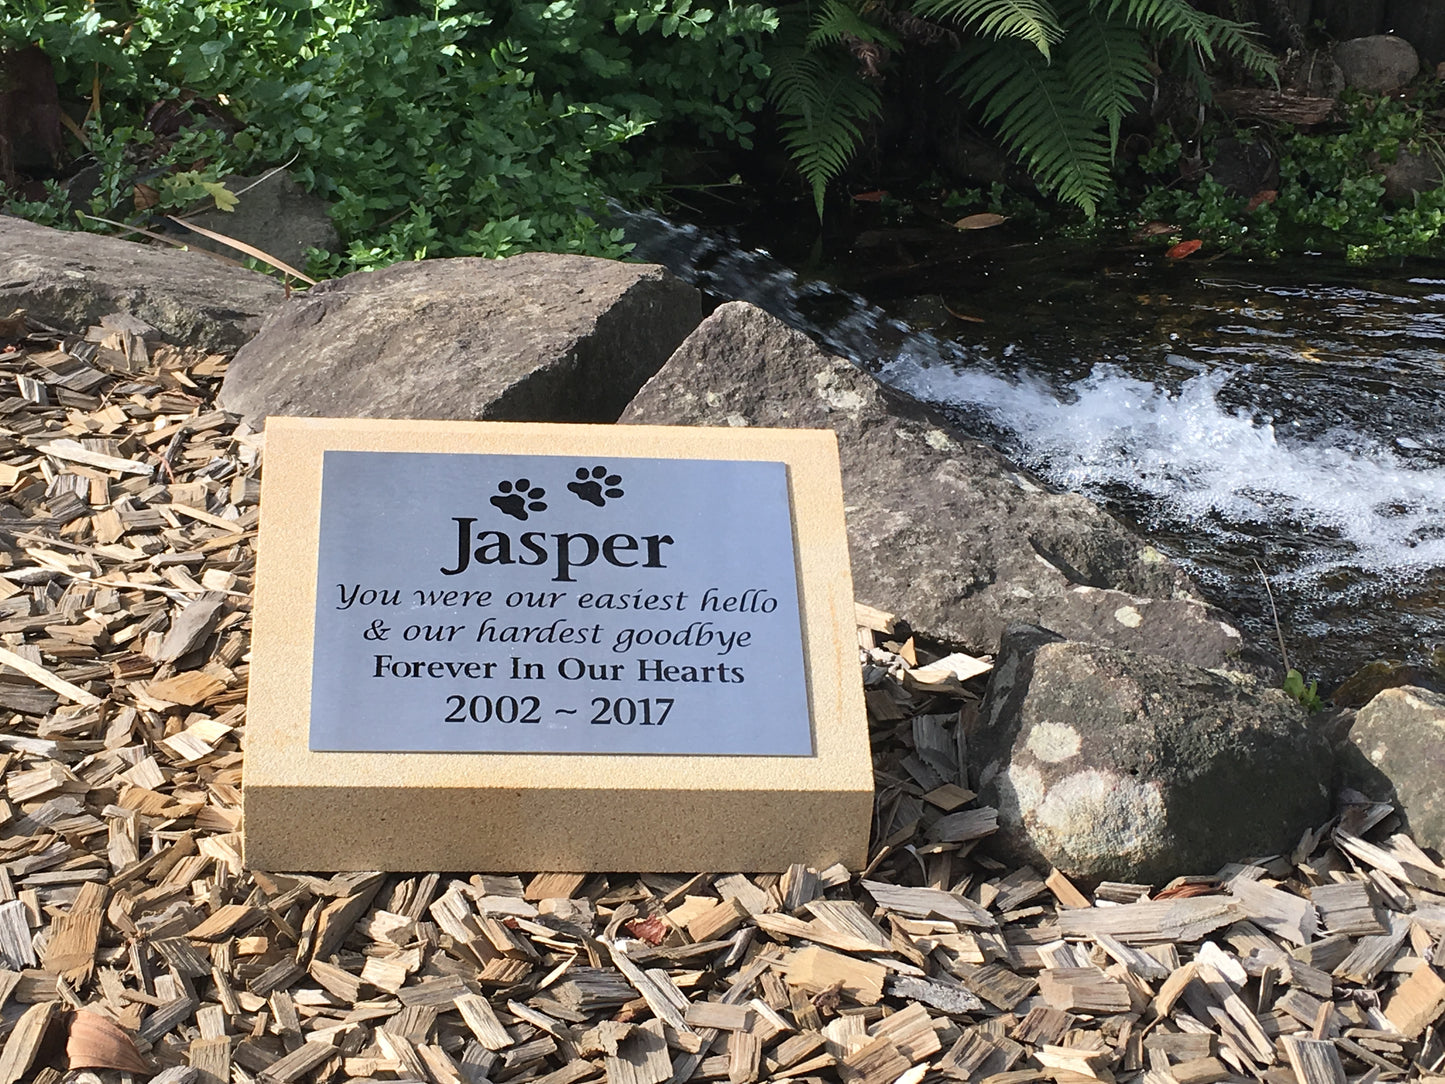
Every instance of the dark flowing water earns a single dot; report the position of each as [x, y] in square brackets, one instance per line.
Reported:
[1289, 414]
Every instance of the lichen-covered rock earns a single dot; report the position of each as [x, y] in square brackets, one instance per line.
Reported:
[536, 337]
[71, 280]
[1112, 765]
[1400, 736]
[941, 529]
[1378, 64]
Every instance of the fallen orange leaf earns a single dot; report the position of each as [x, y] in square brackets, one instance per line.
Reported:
[876, 196]
[983, 221]
[1182, 249]
[1187, 891]
[96, 1042]
[1263, 196]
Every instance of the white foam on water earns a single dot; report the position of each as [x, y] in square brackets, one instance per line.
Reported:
[1207, 464]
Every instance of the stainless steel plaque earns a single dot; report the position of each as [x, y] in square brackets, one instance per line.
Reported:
[556, 604]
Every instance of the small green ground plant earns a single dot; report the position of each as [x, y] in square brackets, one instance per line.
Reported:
[442, 129]
[1308, 696]
[1330, 196]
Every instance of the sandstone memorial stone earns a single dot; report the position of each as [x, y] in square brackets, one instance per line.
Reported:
[509, 646]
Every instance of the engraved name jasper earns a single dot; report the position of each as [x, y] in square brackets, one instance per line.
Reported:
[562, 551]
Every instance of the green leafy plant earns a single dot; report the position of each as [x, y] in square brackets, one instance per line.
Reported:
[440, 127]
[1054, 78]
[1060, 111]
[823, 104]
[189, 186]
[1307, 695]
[1033, 22]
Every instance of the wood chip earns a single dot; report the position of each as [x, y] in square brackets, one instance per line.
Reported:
[965, 825]
[1371, 954]
[1347, 908]
[745, 1053]
[41, 676]
[945, 996]
[1083, 990]
[211, 1058]
[1200, 1071]
[1418, 1002]
[225, 921]
[877, 1062]
[717, 921]
[483, 1022]
[1281, 913]
[714, 1014]
[17, 946]
[911, 1031]
[1065, 891]
[950, 671]
[196, 621]
[23, 1043]
[640, 1058]
[296, 1064]
[70, 951]
[190, 688]
[1153, 922]
[74, 452]
[868, 617]
[1315, 1061]
[926, 902]
[996, 984]
[817, 969]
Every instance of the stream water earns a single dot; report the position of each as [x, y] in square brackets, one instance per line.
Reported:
[1287, 417]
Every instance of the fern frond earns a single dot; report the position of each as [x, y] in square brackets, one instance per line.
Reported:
[1106, 60]
[1179, 20]
[1037, 112]
[838, 18]
[1032, 21]
[822, 101]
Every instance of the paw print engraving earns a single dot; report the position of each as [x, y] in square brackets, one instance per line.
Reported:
[518, 498]
[596, 486]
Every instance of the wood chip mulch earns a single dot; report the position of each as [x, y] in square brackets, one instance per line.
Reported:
[135, 947]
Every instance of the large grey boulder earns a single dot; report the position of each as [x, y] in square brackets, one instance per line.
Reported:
[71, 280]
[1378, 64]
[942, 530]
[536, 337]
[1400, 741]
[274, 214]
[1112, 765]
